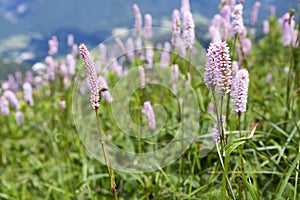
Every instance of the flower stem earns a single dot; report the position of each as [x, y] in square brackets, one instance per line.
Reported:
[109, 169]
[242, 160]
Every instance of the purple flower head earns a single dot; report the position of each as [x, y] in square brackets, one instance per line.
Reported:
[138, 18]
[185, 6]
[269, 78]
[27, 88]
[4, 106]
[272, 11]
[266, 26]
[116, 67]
[107, 96]
[149, 56]
[92, 76]
[148, 26]
[235, 66]
[12, 98]
[214, 28]
[130, 48]
[71, 63]
[70, 40]
[50, 67]
[53, 46]
[19, 78]
[102, 53]
[287, 22]
[142, 77]
[121, 45]
[148, 111]
[13, 84]
[105, 89]
[237, 19]
[231, 3]
[252, 32]
[214, 33]
[254, 12]
[226, 13]
[224, 65]
[188, 30]
[62, 104]
[19, 118]
[246, 45]
[29, 77]
[102, 83]
[210, 108]
[218, 67]
[211, 75]
[240, 92]
[138, 45]
[176, 27]
[74, 50]
[165, 55]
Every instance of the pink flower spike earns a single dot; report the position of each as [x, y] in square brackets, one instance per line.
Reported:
[254, 12]
[148, 111]
[149, 56]
[176, 27]
[4, 106]
[237, 19]
[102, 83]
[107, 96]
[148, 27]
[287, 22]
[142, 77]
[70, 40]
[185, 6]
[266, 26]
[272, 11]
[12, 98]
[92, 76]
[27, 88]
[218, 68]
[53, 46]
[19, 118]
[188, 30]
[138, 18]
[240, 92]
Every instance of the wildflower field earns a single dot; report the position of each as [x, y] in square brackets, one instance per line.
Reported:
[151, 113]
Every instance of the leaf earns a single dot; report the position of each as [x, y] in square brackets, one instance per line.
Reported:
[284, 182]
[252, 190]
[229, 148]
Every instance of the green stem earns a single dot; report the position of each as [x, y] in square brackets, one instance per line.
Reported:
[221, 122]
[218, 119]
[109, 169]
[242, 160]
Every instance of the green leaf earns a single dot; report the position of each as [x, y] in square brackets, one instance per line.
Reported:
[229, 148]
[251, 188]
[287, 176]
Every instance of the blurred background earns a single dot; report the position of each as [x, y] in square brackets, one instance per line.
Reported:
[27, 25]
